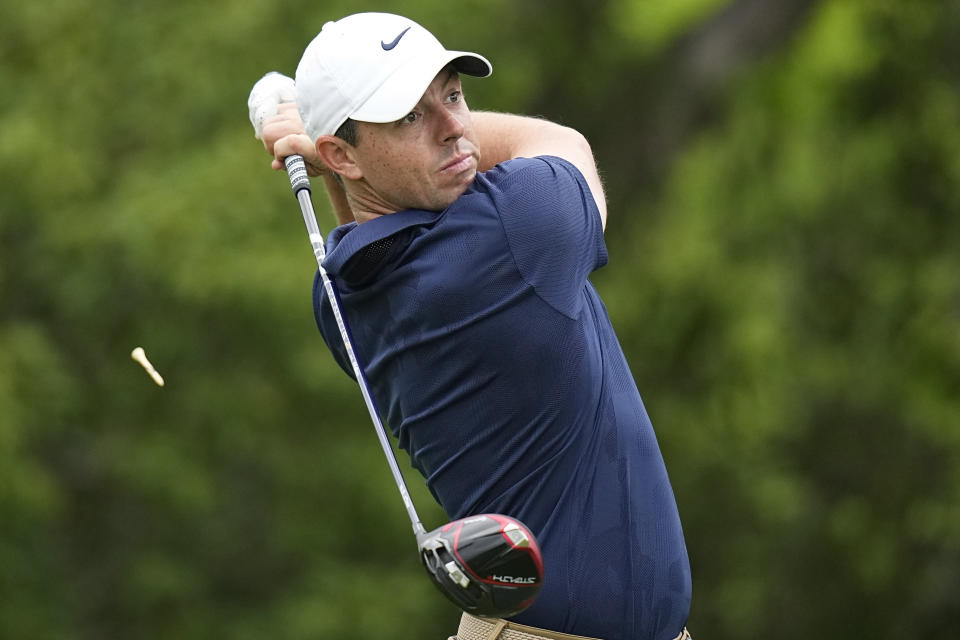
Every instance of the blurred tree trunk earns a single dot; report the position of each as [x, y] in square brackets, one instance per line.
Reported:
[638, 123]
[691, 76]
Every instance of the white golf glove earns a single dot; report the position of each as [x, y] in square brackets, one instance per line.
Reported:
[269, 91]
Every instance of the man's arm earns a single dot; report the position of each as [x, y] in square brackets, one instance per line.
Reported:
[502, 137]
[283, 135]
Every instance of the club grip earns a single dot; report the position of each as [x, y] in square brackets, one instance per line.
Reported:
[297, 170]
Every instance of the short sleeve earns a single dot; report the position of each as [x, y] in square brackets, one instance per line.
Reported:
[327, 323]
[552, 225]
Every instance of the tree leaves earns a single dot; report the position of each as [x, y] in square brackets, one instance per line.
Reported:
[783, 278]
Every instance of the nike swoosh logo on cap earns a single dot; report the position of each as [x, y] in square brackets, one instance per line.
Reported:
[396, 41]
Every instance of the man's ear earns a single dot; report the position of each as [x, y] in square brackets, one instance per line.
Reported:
[339, 156]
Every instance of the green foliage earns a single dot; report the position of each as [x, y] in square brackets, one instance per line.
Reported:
[787, 289]
[648, 27]
[797, 333]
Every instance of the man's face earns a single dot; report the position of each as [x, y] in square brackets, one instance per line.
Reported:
[426, 159]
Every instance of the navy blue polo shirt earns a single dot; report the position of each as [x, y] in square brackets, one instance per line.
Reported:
[493, 361]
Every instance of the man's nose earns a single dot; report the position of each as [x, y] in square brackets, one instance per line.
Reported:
[450, 127]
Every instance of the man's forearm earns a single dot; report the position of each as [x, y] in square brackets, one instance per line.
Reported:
[504, 136]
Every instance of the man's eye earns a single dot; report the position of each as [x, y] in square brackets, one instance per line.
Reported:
[410, 118]
[454, 97]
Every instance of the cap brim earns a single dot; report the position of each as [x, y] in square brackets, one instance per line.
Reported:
[402, 91]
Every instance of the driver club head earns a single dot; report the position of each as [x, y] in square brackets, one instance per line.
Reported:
[488, 565]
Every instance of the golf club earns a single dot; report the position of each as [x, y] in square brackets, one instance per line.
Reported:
[488, 565]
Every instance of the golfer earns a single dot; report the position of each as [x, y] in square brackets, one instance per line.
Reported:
[462, 259]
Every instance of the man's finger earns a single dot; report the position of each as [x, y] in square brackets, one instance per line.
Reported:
[285, 122]
[289, 108]
[297, 143]
[301, 145]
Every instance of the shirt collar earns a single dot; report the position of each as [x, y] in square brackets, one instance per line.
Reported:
[346, 240]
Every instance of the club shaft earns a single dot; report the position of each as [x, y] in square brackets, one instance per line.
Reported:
[301, 187]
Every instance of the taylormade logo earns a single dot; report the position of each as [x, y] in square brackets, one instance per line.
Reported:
[513, 580]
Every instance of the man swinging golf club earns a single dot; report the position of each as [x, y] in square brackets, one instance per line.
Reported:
[462, 265]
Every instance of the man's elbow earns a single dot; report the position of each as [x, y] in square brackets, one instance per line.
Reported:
[581, 155]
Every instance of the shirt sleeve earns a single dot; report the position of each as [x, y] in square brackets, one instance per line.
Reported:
[327, 323]
[552, 225]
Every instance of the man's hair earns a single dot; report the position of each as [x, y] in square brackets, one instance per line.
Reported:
[348, 132]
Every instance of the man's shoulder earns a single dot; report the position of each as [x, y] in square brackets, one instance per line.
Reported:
[541, 167]
[521, 184]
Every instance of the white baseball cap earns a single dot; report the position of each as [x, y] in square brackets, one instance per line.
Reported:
[372, 67]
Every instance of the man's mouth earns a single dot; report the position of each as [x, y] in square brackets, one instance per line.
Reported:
[460, 163]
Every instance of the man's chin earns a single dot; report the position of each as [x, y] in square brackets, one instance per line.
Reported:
[462, 188]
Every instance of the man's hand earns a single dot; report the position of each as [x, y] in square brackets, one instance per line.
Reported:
[275, 120]
[283, 135]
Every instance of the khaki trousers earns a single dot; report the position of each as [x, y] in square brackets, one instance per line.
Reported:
[473, 628]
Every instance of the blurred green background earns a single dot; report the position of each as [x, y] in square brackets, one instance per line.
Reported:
[784, 187]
